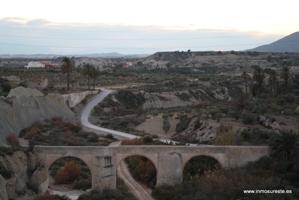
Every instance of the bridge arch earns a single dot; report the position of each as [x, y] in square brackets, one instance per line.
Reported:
[197, 165]
[151, 157]
[51, 160]
[136, 163]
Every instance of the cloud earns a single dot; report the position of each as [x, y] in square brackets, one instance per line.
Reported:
[19, 36]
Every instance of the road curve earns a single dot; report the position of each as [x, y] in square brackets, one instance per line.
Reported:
[96, 129]
[105, 131]
[135, 188]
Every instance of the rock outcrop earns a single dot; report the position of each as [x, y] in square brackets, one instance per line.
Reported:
[21, 111]
[14, 81]
[17, 175]
[27, 92]
[201, 130]
[168, 100]
[221, 94]
[74, 99]
[269, 122]
[39, 180]
[3, 193]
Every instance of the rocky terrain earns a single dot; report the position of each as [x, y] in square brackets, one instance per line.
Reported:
[21, 175]
[212, 107]
[23, 107]
[219, 98]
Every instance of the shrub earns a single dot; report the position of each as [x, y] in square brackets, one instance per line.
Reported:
[69, 173]
[72, 127]
[92, 137]
[166, 124]
[57, 121]
[225, 136]
[256, 136]
[248, 118]
[107, 195]
[129, 99]
[222, 185]
[183, 123]
[48, 196]
[136, 141]
[31, 132]
[147, 139]
[6, 173]
[109, 136]
[12, 139]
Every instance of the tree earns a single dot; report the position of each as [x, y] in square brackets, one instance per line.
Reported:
[272, 81]
[87, 70]
[246, 77]
[285, 74]
[94, 75]
[67, 67]
[258, 77]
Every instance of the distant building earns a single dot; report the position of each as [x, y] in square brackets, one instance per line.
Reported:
[50, 65]
[35, 64]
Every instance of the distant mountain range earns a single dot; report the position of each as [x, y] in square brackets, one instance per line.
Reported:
[95, 55]
[289, 43]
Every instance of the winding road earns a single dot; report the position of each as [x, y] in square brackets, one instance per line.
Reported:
[96, 129]
[105, 131]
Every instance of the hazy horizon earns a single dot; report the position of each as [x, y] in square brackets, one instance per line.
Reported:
[141, 26]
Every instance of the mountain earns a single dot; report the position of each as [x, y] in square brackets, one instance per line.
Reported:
[289, 43]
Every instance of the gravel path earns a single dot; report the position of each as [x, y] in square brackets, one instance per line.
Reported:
[135, 188]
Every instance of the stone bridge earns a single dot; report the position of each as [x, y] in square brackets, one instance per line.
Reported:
[168, 160]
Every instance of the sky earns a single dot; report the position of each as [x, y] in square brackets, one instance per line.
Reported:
[142, 26]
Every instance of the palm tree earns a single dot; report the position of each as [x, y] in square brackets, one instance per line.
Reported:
[246, 77]
[87, 71]
[94, 75]
[67, 67]
[258, 77]
[272, 81]
[285, 74]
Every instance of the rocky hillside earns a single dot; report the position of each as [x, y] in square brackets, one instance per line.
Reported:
[206, 62]
[289, 43]
[25, 106]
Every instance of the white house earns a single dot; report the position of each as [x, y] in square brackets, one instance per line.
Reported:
[35, 64]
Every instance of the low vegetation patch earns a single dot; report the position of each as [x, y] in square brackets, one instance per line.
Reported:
[48, 196]
[277, 171]
[107, 195]
[71, 171]
[57, 132]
